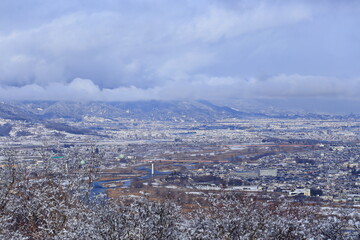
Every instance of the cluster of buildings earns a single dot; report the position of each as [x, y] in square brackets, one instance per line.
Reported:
[294, 157]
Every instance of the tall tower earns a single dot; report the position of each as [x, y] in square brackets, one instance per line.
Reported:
[152, 168]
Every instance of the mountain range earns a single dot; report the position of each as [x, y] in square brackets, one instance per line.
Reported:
[142, 110]
[155, 110]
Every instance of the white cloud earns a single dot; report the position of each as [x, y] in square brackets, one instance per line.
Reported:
[217, 23]
[117, 48]
[199, 87]
[170, 50]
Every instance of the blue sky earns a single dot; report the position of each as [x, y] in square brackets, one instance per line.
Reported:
[164, 49]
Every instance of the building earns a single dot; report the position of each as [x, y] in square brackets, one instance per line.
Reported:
[268, 172]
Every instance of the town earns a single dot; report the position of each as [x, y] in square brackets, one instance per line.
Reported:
[293, 158]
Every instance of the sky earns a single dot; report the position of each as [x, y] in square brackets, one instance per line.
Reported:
[125, 50]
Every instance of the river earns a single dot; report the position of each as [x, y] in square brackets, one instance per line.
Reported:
[99, 188]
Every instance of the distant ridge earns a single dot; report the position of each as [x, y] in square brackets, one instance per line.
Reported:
[154, 110]
[10, 111]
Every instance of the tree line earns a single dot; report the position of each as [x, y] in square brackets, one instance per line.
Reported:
[56, 201]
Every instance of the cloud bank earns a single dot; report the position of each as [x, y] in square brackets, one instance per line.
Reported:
[202, 87]
[138, 50]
